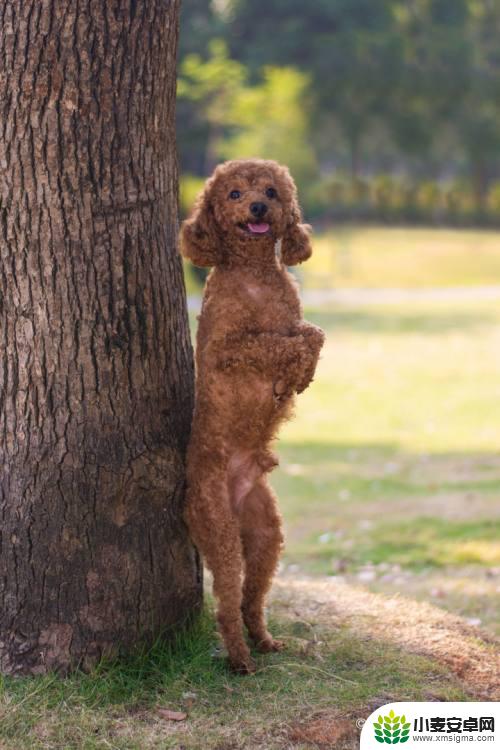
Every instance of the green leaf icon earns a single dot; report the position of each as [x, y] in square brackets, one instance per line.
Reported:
[391, 729]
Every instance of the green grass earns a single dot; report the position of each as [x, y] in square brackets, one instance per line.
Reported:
[417, 543]
[417, 378]
[392, 460]
[403, 257]
[118, 704]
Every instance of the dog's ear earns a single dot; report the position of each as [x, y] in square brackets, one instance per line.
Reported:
[200, 238]
[295, 245]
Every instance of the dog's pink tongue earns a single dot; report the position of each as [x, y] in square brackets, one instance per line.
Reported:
[258, 228]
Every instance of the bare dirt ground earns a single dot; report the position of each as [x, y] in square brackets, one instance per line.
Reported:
[470, 655]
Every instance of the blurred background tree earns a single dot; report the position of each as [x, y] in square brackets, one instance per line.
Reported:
[354, 96]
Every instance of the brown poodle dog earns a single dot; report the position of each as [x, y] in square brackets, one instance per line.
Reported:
[254, 352]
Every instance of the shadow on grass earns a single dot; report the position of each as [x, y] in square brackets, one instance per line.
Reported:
[369, 465]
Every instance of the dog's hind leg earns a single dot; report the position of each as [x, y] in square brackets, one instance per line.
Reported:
[262, 541]
[215, 531]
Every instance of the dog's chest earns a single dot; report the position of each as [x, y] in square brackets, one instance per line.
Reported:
[265, 304]
[264, 301]
[263, 294]
[255, 291]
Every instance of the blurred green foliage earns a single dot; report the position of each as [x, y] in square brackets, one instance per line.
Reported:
[264, 130]
[246, 120]
[386, 110]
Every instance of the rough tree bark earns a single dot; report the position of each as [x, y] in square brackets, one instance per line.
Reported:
[96, 373]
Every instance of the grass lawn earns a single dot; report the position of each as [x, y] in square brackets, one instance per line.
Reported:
[332, 675]
[390, 474]
[390, 488]
[350, 256]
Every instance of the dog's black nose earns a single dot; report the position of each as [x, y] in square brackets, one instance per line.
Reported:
[258, 209]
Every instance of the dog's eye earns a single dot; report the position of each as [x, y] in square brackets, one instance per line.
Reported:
[234, 195]
[271, 193]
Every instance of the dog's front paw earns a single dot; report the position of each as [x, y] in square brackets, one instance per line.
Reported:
[267, 460]
[314, 336]
[305, 383]
[281, 390]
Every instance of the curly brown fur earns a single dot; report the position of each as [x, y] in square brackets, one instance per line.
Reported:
[254, 352]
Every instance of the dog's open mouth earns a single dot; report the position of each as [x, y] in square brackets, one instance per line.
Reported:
[256, 229]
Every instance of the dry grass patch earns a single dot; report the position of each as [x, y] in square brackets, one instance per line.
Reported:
[419, 628]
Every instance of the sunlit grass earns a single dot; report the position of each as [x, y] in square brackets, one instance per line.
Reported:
[392, 459]
[422, 378]
[348, 256]
[416, 543]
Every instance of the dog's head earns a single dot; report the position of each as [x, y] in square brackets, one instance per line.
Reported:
[245, 207]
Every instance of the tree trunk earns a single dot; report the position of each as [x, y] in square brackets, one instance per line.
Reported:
[96, 376]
